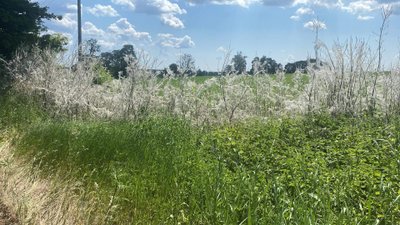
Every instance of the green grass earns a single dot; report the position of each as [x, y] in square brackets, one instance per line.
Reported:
[316, 169]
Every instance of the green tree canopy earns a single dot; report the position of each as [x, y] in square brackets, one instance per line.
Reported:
[239, 63]
[21, 22]
[264, 65]
[55, 42]
[115, 61]
[174, 68]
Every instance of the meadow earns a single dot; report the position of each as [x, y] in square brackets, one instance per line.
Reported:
[315, 148]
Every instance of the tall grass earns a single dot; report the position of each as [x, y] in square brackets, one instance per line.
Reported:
[318, 170]
[316, 148]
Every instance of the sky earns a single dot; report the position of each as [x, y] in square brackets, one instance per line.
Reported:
[207, 29]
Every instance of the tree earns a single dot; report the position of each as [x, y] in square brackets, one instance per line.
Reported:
[92, 47]
[255, 66]
[300, 65]
[229, 69]
[264, 65]
[115, 61]
[55, 42]
[239, 63]
[174, 68]
[21, 22]
[269, 65]
[187, 64]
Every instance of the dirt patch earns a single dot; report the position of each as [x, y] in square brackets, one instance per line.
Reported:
[6, 218]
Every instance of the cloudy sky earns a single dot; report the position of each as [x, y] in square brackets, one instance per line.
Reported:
[207, 28]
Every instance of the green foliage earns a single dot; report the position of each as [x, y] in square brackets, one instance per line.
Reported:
[54, 42]
[103, 76]
[265, 65]
[239, 63]
[21, 21]
[115, 61]
[174, 68]
[318, 169]
[299, 65]
[18, 111]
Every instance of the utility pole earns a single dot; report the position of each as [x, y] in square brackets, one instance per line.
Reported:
[79, 31]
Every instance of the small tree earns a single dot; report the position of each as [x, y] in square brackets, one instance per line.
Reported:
[239, 63]
[91, 46]
[174, 68]
[255, 66]
[186, 64]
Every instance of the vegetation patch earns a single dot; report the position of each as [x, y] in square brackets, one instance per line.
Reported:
[323, 169]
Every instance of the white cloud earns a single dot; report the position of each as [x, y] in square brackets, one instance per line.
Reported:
[361, 6]
[106, 44]
[90, 29]
[169, 40]
[73, 7]
[129, 3]
[221, 49]
[67, 21]
[295, 17]
[162, 6]
[315, 24]
[103, 10]
[321, 3]
[123, 28]
[300, 12]
[171, 20]
[242, 3]
[278, 2]
[304, 11]
[167, 10]
[365, 17]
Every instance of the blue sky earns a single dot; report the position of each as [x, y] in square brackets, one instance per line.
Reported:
[206, 29]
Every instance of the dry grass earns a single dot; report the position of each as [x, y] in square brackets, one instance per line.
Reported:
[35, 200]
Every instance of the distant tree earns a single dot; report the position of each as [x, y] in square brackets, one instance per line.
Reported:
[239, 63]
[229, 69]
[264, 65]
[290, 68]
[115, 61]
[21, 22]
[55, 42]
[255, 66]
[186, 64]
[174, 68]
[300, 65]
[92, 47]
[269, 65]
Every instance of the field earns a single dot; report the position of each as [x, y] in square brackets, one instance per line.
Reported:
[316, 148]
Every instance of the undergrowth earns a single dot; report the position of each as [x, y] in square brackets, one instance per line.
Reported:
[315, 169]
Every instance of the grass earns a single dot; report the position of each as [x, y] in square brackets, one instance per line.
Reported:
[315, 169]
